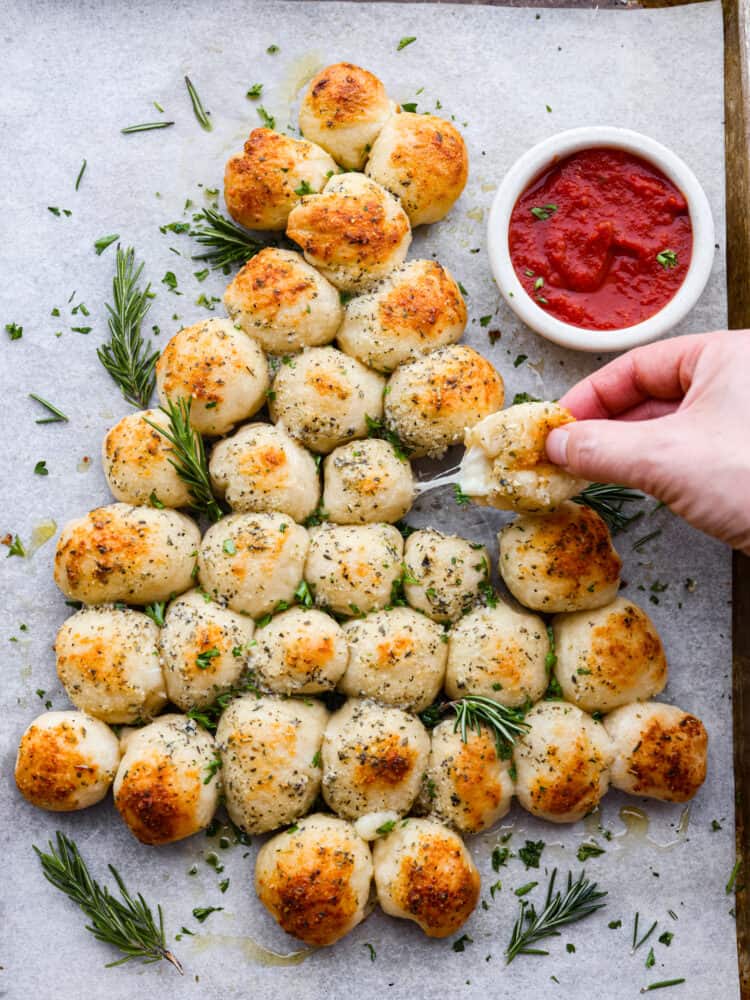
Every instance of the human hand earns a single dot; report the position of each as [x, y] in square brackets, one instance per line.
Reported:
[669, 418]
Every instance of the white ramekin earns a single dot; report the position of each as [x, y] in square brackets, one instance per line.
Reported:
[542, 156]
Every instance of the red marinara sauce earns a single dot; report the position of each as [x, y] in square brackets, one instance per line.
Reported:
[601, 239]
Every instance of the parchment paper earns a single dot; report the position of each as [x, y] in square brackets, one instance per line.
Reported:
[73, 75]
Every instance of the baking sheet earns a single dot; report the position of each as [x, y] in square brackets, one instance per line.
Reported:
[74, 74]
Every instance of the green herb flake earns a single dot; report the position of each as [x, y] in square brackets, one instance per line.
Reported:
[103, 242]
[40, 469]
[254, 92]
[15, 547]
[14, 331]
[519, 360]
[406, 40]
[531, 853]
[272, 50]
[203, 660]
[386, 827]
[268, 120]
[145, 127]
[460, 943]
[200, 112]
[485, 320]
[667, 259]
[543, 212]
[370, 948]
[201, 913]
[81, 172]
[586, 851]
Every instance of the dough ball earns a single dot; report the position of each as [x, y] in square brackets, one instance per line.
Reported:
[660, 751]
[562, 763]
[373, 759]
[423, 161]
[300, 651]
[413, 311]
[351, 569]
[253, 561]
[264, 183]
[396, 657]
[499, 653]
[123, 553]
[324, 398]
[564, 561]
[260, 468]
[204, 649]
[443, 573]
[136, 462]
[343, 110]
[506, 464]
[468, 785]
[270, 752]
[430, 402]
[355, 232]
[366, 481]
[66, 761]
[424, 873]
[315, 879]
[108, 663]
[609, 656]
[167, 784]
[281, 301]
[220, 369]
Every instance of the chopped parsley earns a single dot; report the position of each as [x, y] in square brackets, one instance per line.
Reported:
[255, 91]
[531, 853]
[103, 242]
[268, 120]
[14, 331]
[667, 259]
[203, 660]
[543, 212]
[406, 40]
[202, 913]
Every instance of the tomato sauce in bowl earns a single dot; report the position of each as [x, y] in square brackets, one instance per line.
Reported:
[601, 239]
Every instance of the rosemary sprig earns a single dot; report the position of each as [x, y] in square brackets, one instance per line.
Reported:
[475, 711]
[200, 111]
[126, 923]
[145, 127]
[127, 357]
[189, 456]
[608, 501]
[228, 244]
[580, 899]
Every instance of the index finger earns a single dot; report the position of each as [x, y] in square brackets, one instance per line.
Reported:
[662, 370]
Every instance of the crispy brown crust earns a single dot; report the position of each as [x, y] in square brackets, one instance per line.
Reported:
[624, 648]
[51, 770]
[309, 653]
[158, 801]
[99, 548]
[425, 307]
[466, 379]
[343, 94]
[570, 781]
[670, 760]
[574, 544]
[433, 152]
[479, 793]
[268, 283]
[310, 893]
[436, 886]
[133, 442]
[385, 762]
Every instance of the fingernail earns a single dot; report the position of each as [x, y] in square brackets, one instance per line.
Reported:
[557, 446]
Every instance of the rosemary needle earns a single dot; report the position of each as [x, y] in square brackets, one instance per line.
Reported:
[662, 984]
[145, 127]
[126, 923]
[200, 111]
[189, 456]
[608, 501]
[227, 244]
[57, 415]
[475, 711]
[80, 175]
[127, 357]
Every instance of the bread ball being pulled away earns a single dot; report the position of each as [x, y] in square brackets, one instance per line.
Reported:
[264, 182]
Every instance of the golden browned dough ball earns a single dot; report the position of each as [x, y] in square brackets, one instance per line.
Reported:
[396, 657]
[562, 763]
[431, 402]
[424, 873]
[343, 110]
[563, 561]
[264, 183]
[66, 761]
[123, 553]
[283, 302]
[108, 663]
[367, 481]
[660, 751]
[315, 879]
[499, 653]
[469, 786]
[136, 462]
[413, 311]
[204, 649]
[324, 398]
[355, 232]
[373, 759]
[608, 656]
[506, 465]
[351, 569]
[221, 370]
[167, 784]
[423, 160]
[253, 561]
[261, 468]
[270, 753]
[443, 573]
[300, 651]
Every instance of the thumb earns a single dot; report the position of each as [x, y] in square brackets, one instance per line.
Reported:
[632, 453]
